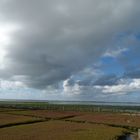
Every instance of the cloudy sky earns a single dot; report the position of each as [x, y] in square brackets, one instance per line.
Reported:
[70, 50]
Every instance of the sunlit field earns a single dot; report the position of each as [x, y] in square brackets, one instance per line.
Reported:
[60, 130]
[61, 124]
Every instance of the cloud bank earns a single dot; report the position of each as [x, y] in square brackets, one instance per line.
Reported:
[58, 45]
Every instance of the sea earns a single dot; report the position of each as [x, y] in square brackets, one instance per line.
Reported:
[102, 103]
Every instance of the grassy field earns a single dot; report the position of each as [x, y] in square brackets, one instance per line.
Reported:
[60, 130]
[69, 107]
[47, 113]
[111, 118]
[7, 119]
[29, 123]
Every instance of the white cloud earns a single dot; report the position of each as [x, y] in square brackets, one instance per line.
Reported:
[11, 85]
[125, 86]
[71, 89]
[115, 53]
[6, 31]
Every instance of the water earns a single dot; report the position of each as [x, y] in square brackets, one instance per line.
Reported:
[78, 102]
[95, 103]
[129, 137]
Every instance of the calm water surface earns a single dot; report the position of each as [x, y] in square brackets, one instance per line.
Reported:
[95, 103]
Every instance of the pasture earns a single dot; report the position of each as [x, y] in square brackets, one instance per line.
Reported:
[30, 123]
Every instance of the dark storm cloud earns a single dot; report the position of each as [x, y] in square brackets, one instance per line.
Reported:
[133, 74]
[107, 80]
[59, 38]
[129, 60]
[96, 80]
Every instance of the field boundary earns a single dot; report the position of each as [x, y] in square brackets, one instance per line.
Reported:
[134, 129]
[65, 118]
[21, 123]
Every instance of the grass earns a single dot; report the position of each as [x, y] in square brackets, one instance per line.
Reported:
[118, 119]
[68, 107]
[7, 119]
[110, 118]
[46, 113]
[60, 130]
[26, 121]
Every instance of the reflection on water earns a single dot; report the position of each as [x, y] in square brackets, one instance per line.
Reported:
[129, 137]
[78, 102]
[95, 103]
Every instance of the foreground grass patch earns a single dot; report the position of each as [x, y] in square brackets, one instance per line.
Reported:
[110, 118]
[46, 113]
[60, 130]
[10, 119]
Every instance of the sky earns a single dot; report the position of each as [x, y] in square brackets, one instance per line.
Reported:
[86, 50]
